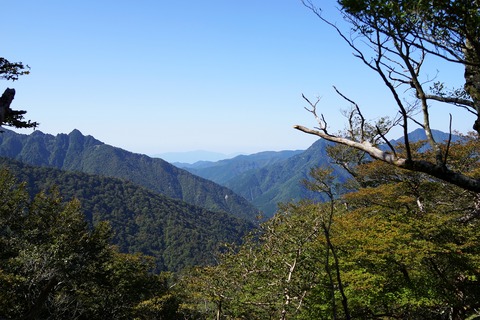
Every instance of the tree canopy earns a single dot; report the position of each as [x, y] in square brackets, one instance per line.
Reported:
[8, 116]
[54, 266]
[12, 70]
[395, 39]
[402, 246]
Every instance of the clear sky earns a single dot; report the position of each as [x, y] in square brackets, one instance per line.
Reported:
[156, 76]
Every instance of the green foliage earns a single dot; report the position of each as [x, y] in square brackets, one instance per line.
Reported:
[281, 181]
[446, 29]
[76, 152]
[175, 233]
[12, 70]
[403, 246]
[53, 266]
[446, 24]
[269, 275]
[8, 116]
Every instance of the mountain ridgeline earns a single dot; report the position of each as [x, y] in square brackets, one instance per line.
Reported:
[269, 178]
[262, 180]
[225, 170]
[76, 152]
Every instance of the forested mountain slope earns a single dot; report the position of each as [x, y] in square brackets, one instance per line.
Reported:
[268, 178]
[282, 181]
[76, 152]
[175, 233]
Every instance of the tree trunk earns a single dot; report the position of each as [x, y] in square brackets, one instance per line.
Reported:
[5, 101]
[35, 310]
[472, 79]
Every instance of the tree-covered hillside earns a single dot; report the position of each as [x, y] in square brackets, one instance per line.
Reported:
[267, 178]
[76, 152]
[404, 245]
[282, 181]
[175, 233]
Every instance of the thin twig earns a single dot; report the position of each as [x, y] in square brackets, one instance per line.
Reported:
[386, 141]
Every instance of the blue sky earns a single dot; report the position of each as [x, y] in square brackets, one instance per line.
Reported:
[156, 76]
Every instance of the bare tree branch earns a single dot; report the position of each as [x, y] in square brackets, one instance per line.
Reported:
[437, 171]
[399, 48]
[386, 141]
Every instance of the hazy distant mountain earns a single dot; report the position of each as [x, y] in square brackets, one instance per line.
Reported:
[175, 233]
[189, 157]
[76, 152]
[228, 169]
[267, 178]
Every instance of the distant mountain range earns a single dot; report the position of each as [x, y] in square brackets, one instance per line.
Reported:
[76, 152]
[227, 169]
[241, 186]
[189, 157]
[268, 178]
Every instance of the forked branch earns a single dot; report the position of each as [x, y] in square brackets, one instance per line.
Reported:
[435, 170]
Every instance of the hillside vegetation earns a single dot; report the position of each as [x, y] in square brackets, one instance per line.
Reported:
[402, 246]
[175, 233]
[76, 152]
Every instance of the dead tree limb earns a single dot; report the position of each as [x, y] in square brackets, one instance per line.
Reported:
[5, 102]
